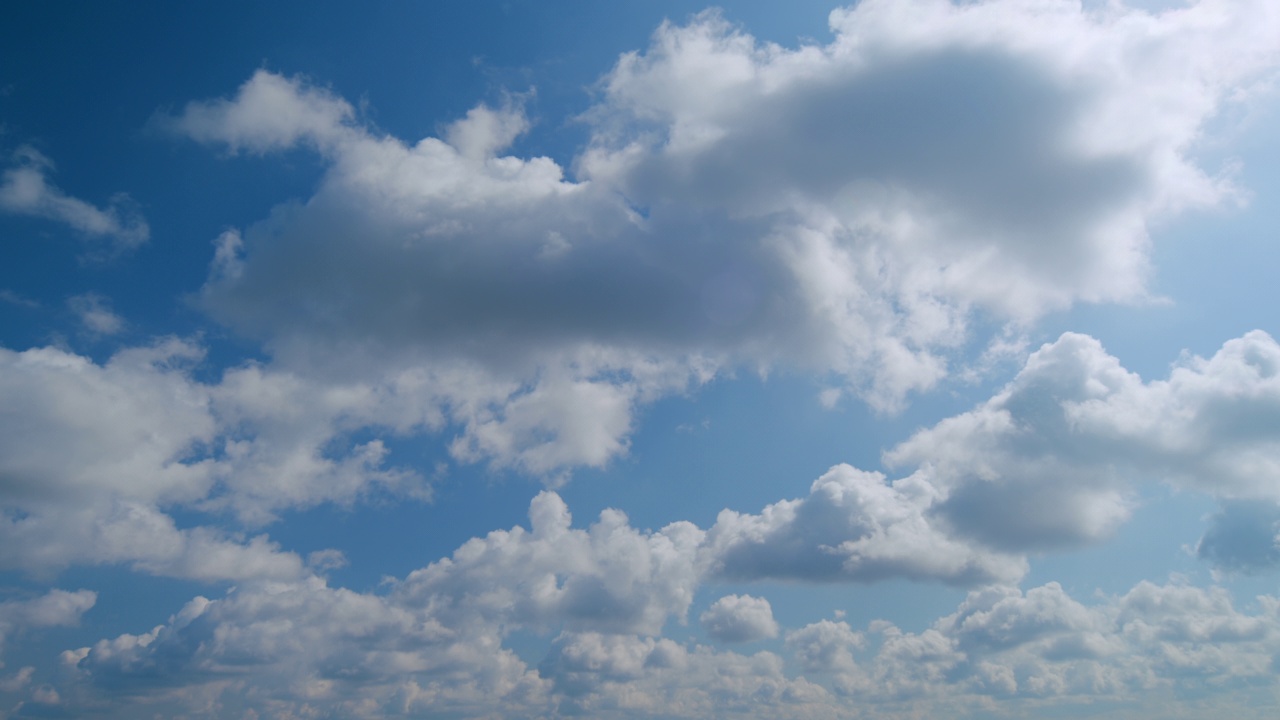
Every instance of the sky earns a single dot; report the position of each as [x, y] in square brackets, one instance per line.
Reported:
[906, 359]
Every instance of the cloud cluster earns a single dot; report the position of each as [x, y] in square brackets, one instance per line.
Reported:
[92, 457]
[1054, 459]
[307, 648]
[853, 526]
[843, 207]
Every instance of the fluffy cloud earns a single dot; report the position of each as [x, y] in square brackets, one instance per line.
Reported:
[299, 645]
[609, 577]
[305, 647]
[739, 618]
[853, 526]
[92, 456]
[25, 190]
[1053, 459]
[825, 646]
[844, 208]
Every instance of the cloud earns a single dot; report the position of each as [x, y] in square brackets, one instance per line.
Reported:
[57, 607]
[93, 456]
[268, 113]
[25, 190]
[607, 578]
[853, 526]
[1054, 458]
[845, 208]
[1243, 536]
[825, 646]
[292, 645]
[305, 643]
[739, 618]
[94, 312]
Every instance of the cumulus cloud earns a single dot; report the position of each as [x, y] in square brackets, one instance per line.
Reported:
[305, 643]
[25, 190]
[739, 618]
[853, 526]
[843, 207]
[57, 607]
[92, 456]
[1054, 458]
[825, 646]
[609, 577]
[288, 646]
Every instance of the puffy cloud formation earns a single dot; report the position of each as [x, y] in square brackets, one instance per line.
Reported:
[1053, 459]
[853, 526]
[739, 618]
[609, 577]
[843, 207]
[846, 208]
[308, 648]
[91, 457]
[25, 190]
[825, 646]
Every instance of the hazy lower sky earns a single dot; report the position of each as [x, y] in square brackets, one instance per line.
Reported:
[909, 359]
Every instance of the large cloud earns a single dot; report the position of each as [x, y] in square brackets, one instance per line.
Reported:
[843, 207]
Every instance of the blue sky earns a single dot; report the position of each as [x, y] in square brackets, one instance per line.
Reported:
[515, 360]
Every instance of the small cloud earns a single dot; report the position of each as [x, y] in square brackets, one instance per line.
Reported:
[740, 618]
[14, 298]
[95, 313]
[694, 427]
[325, 560]
[829, 397]
[25, 190]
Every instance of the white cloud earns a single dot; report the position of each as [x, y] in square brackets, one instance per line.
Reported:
[25, 190]
[607, 578]
[57, 607]
[853, 526]
[94, 312]
[739, 618]
[306, 644]
[289, 646]
[268, 113]
[825, 646]
[843, 208]
[1054, 458]
[90, 454]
